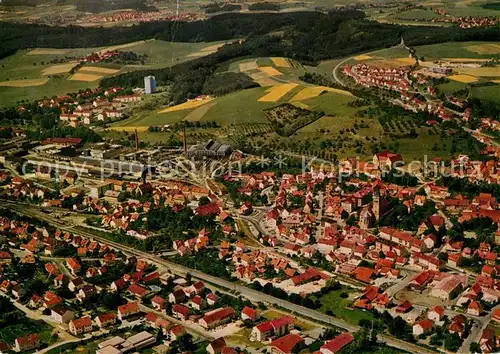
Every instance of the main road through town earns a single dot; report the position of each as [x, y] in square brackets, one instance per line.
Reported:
[254, 295]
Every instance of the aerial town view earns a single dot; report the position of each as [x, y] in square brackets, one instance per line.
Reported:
[249, 176]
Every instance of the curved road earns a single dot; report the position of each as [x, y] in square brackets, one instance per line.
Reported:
[245, 291]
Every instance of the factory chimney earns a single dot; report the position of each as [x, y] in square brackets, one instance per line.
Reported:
[184, 143]
[136, 141]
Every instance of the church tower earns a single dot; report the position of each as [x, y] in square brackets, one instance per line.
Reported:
[376, 202]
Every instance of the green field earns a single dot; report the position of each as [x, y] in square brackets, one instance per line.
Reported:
[9, 333]
[452, 50]
[452, 86]
[164, 54]
[490, 93]
[24, 65]
[453, 7]
[341, 307]
[240, 107]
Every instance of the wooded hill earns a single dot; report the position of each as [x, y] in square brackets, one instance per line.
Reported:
[314, 35]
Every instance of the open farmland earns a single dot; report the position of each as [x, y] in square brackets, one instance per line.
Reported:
[59, 69]
[269, 70]
[362, 57]
[197, 114]
[54, 65]
[82, 76]
[24, 83]
[463, 78]
[493, 71]
[281, 62]
[186, 105]
[486, 48]
[97, 69]
[488, 93]
[277, 92]
[313, 91]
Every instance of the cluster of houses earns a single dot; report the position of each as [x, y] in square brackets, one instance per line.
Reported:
[108, 107]
[465, 21]
[396, 79]
[140, 16]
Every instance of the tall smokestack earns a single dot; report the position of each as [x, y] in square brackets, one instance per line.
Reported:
[136, 141]
[184, 142]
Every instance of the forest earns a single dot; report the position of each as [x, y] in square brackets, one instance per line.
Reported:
[310, 36]
[306, 36]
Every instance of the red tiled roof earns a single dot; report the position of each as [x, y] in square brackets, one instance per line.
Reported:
[130, 307]
[28, 339]
[287, 343]
[337, 343]
[219, 315]
[82, 322]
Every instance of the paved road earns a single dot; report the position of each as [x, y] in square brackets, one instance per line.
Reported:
[334, 73]
[477, 331]
[57, 345]
[249, 293]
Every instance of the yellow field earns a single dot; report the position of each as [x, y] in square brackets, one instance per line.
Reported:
[269, 70]
[281, 62]
[98, 69]
[310, 92]
[85, 77]
[248, 66]
[24, 83]
[496, 81]
[58, 69]
[277, 92]
[131, 128]
[388, 63]
[186, 105]
[463, 78]
[48, 51]
[408, 61]
[493, 71]
[362, 57]
[489, 48]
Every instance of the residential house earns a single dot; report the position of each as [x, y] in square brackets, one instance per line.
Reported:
[335, 345]
[106, 319]
[80, 326]
[127, 310]
[61, 314]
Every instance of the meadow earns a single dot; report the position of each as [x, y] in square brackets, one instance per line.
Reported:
[53, 67]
